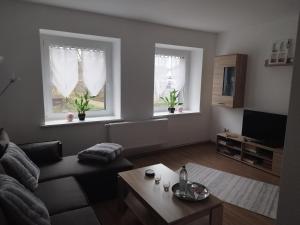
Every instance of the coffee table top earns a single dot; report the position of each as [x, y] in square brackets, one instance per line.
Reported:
[165, 204]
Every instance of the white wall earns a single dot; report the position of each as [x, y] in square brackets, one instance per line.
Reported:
[267, 88]
[22, 106]
[288, 209]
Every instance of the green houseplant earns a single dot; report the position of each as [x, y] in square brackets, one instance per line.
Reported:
[82, 105]
[172, 100]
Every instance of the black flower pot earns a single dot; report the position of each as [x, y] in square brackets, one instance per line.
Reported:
[81, 116]
[171, 110]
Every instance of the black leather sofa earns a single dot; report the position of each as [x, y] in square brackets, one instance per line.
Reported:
[67, 187]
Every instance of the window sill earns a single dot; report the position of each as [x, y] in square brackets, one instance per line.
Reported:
[175, 114]
[105, 119]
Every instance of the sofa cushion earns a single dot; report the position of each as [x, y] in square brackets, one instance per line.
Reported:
[17, 164]
[69, 166]
[4, 141]
[21, 206]
[43, 152]
[2, 171]
[83, 216]
[3, 220]
[61, 195]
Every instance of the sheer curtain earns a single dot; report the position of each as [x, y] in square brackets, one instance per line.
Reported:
[169, 74]
[64, 69]
[93, 70]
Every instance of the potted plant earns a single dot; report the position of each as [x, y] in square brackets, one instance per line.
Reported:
[172, 100]
[82, 105]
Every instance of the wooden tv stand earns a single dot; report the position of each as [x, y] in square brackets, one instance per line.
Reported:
[246, 150]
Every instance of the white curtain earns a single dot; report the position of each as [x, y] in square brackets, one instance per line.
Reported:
[64, 69]
[169, 74]
[93, 70]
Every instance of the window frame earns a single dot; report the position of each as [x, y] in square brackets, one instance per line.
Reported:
[178, 53]
[50, 38]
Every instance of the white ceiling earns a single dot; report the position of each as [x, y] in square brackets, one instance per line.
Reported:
[207, 15]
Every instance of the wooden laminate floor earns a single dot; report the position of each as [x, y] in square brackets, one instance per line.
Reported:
[203, 154]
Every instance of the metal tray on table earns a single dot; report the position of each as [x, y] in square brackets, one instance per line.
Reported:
[194, 192]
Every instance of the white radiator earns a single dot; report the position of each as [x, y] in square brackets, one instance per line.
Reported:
[138, 134]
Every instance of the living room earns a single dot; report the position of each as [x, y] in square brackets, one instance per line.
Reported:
[135, 37]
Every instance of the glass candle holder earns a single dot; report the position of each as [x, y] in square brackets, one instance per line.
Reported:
[166, 186]
[157, 178]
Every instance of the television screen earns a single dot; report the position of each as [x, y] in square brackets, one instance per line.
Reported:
[267, 128]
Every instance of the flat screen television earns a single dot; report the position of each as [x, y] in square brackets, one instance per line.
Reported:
[267, 128]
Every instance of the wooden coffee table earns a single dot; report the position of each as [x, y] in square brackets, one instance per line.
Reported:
[153, 206]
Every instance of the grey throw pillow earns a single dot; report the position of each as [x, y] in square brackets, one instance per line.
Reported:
[4, 141]
[2, 171]
[17, 164]
[21, 206]
[104, 152]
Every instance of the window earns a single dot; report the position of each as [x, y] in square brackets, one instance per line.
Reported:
[179, 68]
[73, 72]
[74, 64]
[171, 72]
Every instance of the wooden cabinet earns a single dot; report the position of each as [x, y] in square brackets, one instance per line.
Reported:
[229, 80]
[247, 151]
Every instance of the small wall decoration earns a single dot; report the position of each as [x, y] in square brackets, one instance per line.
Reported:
[282, 52]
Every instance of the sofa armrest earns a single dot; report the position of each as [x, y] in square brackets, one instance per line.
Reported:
[43, 152]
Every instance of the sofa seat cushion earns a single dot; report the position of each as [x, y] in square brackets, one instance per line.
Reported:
[70, 166]
[61, 195]
[3, 220]
[83, 216]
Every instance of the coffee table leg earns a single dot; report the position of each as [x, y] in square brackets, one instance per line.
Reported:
[121, 194]
[216, 216]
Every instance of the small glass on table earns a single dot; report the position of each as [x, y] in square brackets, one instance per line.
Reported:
[166, 185]
[157, 178]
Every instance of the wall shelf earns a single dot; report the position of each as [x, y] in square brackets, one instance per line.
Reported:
[267, 64]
